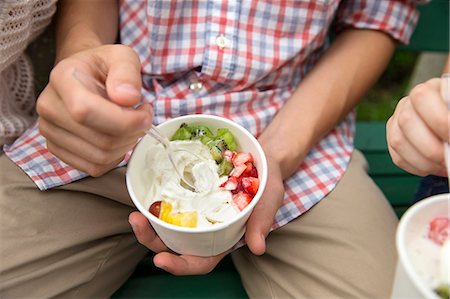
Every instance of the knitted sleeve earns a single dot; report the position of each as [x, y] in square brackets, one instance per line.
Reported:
[21, 21]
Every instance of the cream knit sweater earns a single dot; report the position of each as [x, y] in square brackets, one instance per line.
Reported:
[21, 21]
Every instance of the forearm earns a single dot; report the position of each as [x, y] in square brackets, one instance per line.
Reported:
[327, 94]
[83, 24]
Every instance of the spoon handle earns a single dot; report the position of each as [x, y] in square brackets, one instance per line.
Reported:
[445, 93]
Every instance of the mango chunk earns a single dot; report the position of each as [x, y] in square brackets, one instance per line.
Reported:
[185, 219]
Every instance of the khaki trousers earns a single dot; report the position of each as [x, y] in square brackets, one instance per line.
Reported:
[75, 241]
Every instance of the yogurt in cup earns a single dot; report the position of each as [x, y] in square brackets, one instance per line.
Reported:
[420, 260]
[200, 241]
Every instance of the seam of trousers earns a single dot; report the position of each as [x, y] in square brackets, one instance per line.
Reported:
[105, 259]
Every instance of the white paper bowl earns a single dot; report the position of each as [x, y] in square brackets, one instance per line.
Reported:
[412, 278]
[196, 241]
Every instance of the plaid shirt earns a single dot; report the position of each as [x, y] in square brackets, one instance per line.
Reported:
[238, 59]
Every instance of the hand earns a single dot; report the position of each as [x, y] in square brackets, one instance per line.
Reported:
[82, 128]
[262, 217]
[417, 130]
[169, 261]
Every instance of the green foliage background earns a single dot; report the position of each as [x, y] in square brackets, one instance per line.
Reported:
[380, 101]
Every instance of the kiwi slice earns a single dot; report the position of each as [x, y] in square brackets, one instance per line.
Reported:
[227, 138]
[183, 133]
[225, 167]
[216, 153]
[199, 132]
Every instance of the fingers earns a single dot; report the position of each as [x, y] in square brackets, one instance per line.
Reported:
[262, 217]
[145, 233]
[83, 127]
[170, 262]
[75, 161]
[427, 101]
[412, 144]
[89, 109]
[51, 109]
[186, 265]
[124, 77]
[101, 155]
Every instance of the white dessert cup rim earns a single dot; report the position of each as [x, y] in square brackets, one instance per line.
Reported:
[401, 246]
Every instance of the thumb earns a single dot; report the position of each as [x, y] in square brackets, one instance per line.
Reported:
[262, 217]
[123, 81]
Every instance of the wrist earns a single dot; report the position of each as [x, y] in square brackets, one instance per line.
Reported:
[286, 150]
[77, 39]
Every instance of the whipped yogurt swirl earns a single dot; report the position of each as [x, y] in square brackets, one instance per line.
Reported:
[193, 158]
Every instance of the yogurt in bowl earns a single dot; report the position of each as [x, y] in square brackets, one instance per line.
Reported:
[422, 268]
[211, 219]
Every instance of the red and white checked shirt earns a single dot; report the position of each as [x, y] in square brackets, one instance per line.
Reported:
[241, 60]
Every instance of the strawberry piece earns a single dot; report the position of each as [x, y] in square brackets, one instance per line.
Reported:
[242, 158]
[250, 170]
[230, 184]
[241, 200]
[250, 185]
[228, 155]
[238, 170]
[239, 187]
[439, 230]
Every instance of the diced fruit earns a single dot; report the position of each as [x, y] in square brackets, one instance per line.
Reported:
[228, 155]
[242, 158]
[230, 184]
[199, 131]
[218, 142]
[181, 134]
[225, 167]
[238, 170]
[206, 140]
[241, 200]
[155, 208]
[186, 219]
[239, 188]
[439, 230]
[250, 171]
[228, 138]
[250, 185]
[216, 153]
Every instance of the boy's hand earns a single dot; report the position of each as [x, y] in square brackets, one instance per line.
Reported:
[263, 215]
[417, 130]
[82, 128]
[164, 259]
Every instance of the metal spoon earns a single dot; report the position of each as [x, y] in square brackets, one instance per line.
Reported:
[98, 87]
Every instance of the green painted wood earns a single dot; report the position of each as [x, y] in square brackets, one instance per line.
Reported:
[399, 190]
[371, 136]
[149, 281]
[214, 285]
[380, 163]
[432, 31]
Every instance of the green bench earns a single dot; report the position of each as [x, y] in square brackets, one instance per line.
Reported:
[432, 34]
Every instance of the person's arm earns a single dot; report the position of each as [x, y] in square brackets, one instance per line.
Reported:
[326, 95]
[332, 89]
[82, 128]
[85, 24]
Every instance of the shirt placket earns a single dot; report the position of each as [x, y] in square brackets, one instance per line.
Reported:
[221, 40]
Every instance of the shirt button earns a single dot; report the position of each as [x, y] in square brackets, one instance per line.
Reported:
[196, 86]
[222, 42]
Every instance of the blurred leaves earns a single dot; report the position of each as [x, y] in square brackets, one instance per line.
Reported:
[380, 101]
